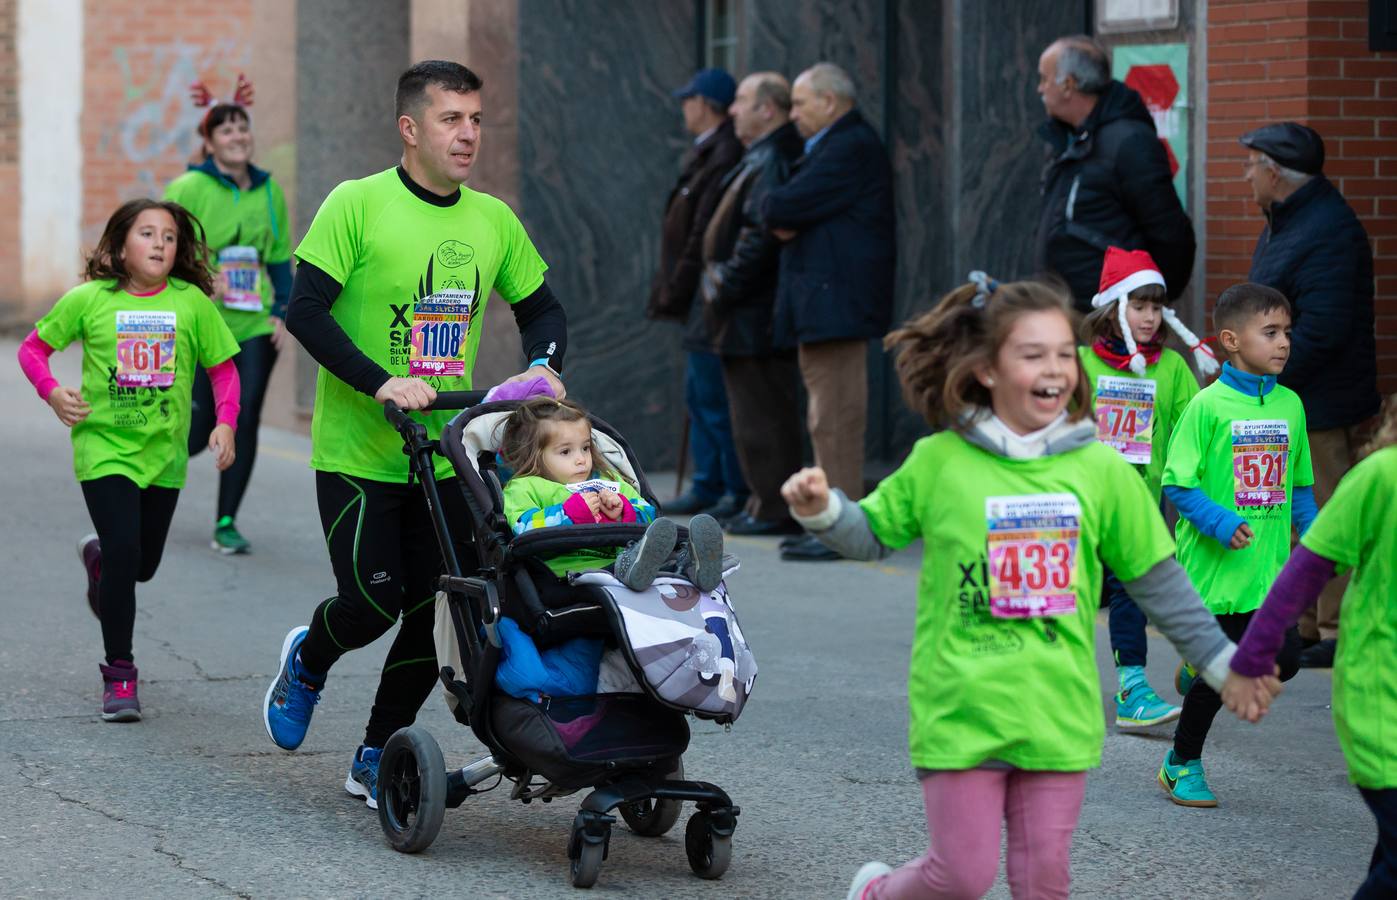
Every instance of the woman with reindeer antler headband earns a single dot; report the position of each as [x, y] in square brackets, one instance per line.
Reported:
[243, 212]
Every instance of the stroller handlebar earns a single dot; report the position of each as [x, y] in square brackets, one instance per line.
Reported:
[398, 417]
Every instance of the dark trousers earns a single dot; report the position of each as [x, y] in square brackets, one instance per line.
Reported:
[1382, 871]
[764, 399]
[1127, 623]
[254, 363]
[132, 524]
[386, 559]
[1202, 703]
[716, 468]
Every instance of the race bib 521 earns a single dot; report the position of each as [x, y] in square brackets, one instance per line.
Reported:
[240, 270]
[1033, 554]
[1260, 454]
[440, 324]
[145, 348]
[1125, 416]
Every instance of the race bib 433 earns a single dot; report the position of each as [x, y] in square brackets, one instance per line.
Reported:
[1125, 416]
[145, 348]
[1260, 453]
[1033, 554]
[440, 323]
[241, 273]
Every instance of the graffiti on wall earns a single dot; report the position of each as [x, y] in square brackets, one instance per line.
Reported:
[150, 134]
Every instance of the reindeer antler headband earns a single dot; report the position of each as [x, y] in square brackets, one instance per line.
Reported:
[203, 97]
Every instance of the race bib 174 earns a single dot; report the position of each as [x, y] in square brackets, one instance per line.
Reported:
[1260, 453]
[1125, 416]
[1033, 554]
[241, 273]
[145, 348]
[440, 324]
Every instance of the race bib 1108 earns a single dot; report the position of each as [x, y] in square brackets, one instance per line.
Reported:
[241, 272]
[1033, 554]
[1125, 416]
[1260, 454]
[440, 324]
[145, 348]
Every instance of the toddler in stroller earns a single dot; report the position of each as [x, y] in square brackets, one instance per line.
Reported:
[560, 478]
[624, 738]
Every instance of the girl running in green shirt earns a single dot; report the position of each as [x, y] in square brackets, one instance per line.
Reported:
[145, 322]
[1019, 507]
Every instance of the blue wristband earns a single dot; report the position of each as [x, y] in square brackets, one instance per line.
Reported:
[546, 363]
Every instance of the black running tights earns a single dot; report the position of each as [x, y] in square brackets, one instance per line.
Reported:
[254, 362]
[131, 523]
[386, 560]
[1201, 703]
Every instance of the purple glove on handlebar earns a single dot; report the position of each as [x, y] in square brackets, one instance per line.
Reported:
[520, 390]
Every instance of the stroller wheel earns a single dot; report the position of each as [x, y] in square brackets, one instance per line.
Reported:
[651, 817]
[591, 834]
[587, 866]
[709, 852]
[411, 790]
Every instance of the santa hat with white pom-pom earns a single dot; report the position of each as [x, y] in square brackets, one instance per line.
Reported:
[1128, 270]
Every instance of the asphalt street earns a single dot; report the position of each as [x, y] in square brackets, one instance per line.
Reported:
[195, 801]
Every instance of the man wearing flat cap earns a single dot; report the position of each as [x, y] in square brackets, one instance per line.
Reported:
[718, 487]
[1316, 252]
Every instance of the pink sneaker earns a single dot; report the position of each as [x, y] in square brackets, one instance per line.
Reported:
[119, 700]
[90, 552]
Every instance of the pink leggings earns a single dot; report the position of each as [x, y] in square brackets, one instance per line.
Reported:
[965, 811]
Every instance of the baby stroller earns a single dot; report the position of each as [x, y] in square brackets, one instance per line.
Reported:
[626, 746]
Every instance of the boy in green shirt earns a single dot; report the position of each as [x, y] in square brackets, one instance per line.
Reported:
[1238, 471]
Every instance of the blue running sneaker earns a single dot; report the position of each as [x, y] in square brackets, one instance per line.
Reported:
[1184, 781]
[292, 697]
[1184, 677]
[1137, 704]
[363, 775]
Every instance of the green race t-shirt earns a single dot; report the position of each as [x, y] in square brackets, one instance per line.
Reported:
[138, 361]
[544, 498]
[1248, 454]
[247, 231]
[1025, 537]
[416, 279]
[1136, 414]
[1357, 529]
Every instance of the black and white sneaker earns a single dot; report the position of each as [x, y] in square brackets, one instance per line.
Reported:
[703, 564]
[638, 564]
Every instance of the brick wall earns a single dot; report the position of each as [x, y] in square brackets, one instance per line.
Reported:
[138, 127]
[9, 146]
[1308, 62]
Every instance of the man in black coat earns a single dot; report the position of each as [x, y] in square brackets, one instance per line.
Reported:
[717, 487]
[1316, 252]
[835, 290]
[1107, 181]
[738, 293]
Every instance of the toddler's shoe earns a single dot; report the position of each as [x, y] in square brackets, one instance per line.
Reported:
[1184, 676]
[637, 565]
[1184, 781]
[1137, 704]
[119, 700]
[868, 873]
[292, 697]
[90, 552]
[363, 775]
[703, 562]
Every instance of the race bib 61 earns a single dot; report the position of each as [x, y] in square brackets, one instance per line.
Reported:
[1033, 554]
[145, 348]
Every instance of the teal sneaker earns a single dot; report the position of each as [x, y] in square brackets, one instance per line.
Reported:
[1184, 677]
[226, 539]
[1185, 782]
[1137, 704]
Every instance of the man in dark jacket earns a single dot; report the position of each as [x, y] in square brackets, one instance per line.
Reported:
[1107, 181]
[738, 292]
[717, 487]
[1316, 252]
[835, 291]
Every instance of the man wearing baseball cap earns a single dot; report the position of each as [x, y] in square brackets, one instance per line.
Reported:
[718, 487]
[1316, 252]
